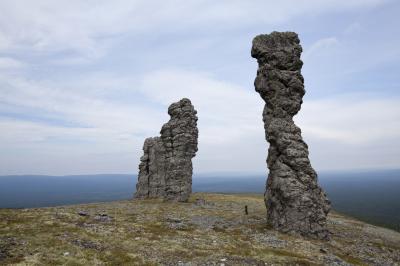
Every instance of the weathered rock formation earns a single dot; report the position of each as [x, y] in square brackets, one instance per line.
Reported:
[165, 169]
[295, 202]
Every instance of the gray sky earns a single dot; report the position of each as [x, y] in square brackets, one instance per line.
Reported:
[83, 83]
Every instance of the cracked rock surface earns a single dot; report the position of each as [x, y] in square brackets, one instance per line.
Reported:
[295, 202]
[165, 169]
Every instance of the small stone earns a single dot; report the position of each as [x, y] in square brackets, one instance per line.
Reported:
[88, 244]
[173, 220]
[83, 213]
[103, 218]
[223, 259]
[66, 254]
[200, 202]
[48, 222]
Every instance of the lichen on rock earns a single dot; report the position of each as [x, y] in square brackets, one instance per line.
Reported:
[295, 201]
[165, 169]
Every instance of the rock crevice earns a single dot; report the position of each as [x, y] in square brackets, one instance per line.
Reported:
[165, 169]
[295, 202]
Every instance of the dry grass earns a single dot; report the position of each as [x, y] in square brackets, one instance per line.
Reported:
[152, 232]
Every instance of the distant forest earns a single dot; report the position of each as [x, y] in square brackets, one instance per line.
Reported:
[371, 196]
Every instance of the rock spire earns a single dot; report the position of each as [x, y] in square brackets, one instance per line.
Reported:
[165, 169]
[295, 202]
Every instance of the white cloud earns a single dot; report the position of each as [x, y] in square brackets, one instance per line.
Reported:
[231, 129]
[61, 113]
[88, 27]
[70, 61]
[351, 120]
[54, 123]
[29, 147]
[320, 46]
[71, 102]
[353, 28]
[230, 123]
[228, 115]
[231, 135]
[222, 106]
[352, 131]
[10, 63]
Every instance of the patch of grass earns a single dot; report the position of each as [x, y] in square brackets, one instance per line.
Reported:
[384, 246]
[10, 259]
[292, 258]
[157, 229]
[284, 253]
[144, 232]
[119, 256]
[199, 253]
[239, 248]
[350, 259]
[259, 227]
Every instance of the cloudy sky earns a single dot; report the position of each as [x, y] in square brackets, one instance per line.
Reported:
[83, 83]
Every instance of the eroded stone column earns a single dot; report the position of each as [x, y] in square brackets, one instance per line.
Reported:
[165, 169]
[294, 200]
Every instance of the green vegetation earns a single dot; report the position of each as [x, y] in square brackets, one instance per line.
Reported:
[214, 229]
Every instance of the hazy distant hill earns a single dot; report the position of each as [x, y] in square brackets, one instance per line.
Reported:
[373, 196]
[40, 191]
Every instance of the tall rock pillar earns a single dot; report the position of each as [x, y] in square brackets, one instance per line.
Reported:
[295, 203]
[165, 169]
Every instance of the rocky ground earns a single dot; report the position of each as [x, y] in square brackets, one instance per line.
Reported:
[212, 229]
